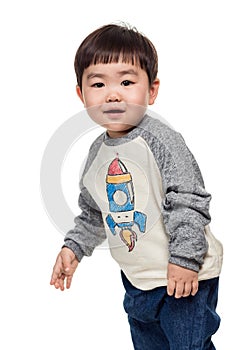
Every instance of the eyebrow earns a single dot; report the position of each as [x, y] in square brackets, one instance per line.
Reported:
[127, 71]
[120, 73]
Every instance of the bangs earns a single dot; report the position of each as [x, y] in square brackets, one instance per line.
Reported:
[105, 56]
[113, 50]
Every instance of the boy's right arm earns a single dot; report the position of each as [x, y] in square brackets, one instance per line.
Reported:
[64, 269]
[87, 234]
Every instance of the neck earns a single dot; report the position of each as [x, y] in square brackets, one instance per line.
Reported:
[117, 134]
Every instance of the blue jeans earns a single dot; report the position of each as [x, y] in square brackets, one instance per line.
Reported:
[161, 322]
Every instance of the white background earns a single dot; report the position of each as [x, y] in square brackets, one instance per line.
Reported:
[38, 43]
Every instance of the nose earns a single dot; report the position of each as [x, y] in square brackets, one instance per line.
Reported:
[113, 96]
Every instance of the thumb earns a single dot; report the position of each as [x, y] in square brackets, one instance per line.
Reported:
[66, 259]
[66, 265]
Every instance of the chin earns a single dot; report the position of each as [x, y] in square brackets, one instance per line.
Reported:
[117, 127]
[117, 131]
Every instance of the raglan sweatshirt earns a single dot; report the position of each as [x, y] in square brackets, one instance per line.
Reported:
[144, 193]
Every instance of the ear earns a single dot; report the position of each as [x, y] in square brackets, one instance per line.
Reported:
[154, 88]
[79, 93]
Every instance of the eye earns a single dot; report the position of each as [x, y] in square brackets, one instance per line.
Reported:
[97, 85]
[127, 83]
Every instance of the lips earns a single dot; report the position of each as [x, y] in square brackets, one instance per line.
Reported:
[115, 114]
[114, 108]
[114, 111]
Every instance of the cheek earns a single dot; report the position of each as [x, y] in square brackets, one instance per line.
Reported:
[93, 99]
[88, 102]
[141, 95]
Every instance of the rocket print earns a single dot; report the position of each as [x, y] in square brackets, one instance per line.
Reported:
[120, 192]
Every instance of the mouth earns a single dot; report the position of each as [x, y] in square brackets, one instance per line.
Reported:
[114, 113]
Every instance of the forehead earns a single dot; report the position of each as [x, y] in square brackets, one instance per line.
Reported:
[113, 69]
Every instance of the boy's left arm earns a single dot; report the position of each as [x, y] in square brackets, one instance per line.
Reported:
[185, 213]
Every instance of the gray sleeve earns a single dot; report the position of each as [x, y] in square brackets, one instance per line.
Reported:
[89, 230]
[185, 207]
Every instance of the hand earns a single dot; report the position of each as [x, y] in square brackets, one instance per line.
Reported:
[64, 268]
[181, 281]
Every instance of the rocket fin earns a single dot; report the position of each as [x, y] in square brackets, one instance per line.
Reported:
[140, 220]
[111, 224]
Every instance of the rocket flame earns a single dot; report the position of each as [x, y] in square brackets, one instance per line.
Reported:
[129, 237]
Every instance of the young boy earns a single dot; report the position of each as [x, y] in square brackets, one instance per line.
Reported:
[142, 189]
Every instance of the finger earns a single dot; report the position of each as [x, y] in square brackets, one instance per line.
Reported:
[57, 270]
[179, 290]
[194, 288]
[187, 289]
[68, 281]
[59, 284]
[171, 287]
[55, 276]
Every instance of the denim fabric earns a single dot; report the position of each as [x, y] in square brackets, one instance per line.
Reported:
[161, 322]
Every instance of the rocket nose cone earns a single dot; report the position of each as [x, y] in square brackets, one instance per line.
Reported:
[117, 167]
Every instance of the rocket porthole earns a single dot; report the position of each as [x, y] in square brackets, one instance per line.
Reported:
[120, 197]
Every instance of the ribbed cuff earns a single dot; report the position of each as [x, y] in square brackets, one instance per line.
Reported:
[186, 263]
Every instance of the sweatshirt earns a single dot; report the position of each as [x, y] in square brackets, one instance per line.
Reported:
[144, 193]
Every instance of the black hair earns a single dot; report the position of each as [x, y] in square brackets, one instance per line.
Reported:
[112, 42]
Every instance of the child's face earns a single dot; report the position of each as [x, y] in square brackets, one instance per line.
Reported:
[116, 95]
